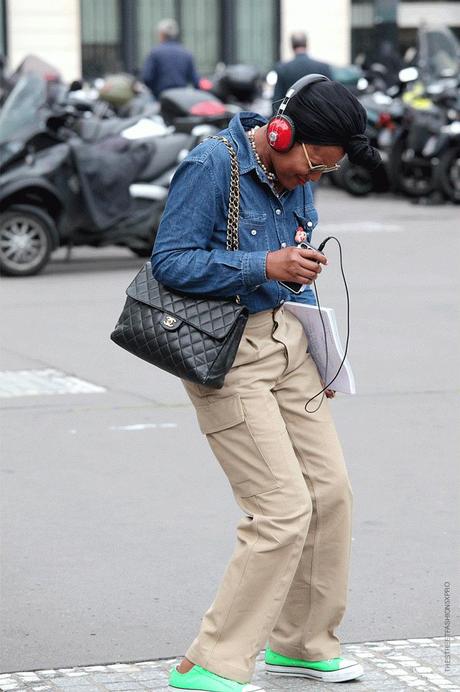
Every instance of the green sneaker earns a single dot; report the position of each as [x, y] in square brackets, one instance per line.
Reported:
[331, 670]
[202, 680]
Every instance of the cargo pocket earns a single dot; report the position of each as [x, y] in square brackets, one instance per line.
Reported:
[223, 414]
[246, 458]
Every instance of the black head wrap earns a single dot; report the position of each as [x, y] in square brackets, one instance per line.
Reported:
[327, 113]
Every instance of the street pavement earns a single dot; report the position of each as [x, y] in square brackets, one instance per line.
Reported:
[413, 664]
[117, 522]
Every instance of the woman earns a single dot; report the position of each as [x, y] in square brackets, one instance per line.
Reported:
[287, 578]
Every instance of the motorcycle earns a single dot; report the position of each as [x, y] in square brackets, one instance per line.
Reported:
[59, 190]
[240, 85]
[185, 108]
[447, 152]
[415, 138]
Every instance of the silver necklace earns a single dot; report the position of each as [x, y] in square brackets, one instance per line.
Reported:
[271, 176]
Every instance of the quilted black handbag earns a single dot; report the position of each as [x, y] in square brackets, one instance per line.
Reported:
[192, 337]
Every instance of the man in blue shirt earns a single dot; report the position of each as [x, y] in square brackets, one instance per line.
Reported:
[301, 65]
[169, 65]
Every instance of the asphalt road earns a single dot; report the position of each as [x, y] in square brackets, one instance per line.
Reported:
[117, 522]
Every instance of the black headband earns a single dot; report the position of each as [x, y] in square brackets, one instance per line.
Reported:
[327, 113]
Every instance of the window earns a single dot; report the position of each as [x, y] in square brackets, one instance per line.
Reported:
[230, 31]
[257, 33]
[100, 37]
[200, 32]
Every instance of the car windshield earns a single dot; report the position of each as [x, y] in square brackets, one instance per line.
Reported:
[20, 118]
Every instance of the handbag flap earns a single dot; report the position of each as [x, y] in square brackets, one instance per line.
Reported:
[210, 316]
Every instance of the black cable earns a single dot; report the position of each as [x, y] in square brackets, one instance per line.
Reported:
[320, 248]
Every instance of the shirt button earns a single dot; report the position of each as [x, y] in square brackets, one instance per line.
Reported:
[253, 232]
[283, 244]
[278, 212]
[309, 224]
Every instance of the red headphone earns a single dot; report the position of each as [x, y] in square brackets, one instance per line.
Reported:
[281, 129]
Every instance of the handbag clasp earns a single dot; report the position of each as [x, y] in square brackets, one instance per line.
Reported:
[169, 322]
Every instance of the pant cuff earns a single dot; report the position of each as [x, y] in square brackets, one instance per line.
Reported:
[307, 655]
[241, 675]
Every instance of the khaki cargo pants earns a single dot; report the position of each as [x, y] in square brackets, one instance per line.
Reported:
[287, 578]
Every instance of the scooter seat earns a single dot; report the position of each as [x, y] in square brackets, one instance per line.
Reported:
[94, 129]
[165, 153]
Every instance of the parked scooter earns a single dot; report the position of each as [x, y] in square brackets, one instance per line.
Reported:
[57, 189]
[415, 139]
[184, 108]
[123, 95]
[240, 85]
[447, 172]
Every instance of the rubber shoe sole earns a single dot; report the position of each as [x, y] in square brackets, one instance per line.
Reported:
[198, 679]
[246, 688]
[348, 672]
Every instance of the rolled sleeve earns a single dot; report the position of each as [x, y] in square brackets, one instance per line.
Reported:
[254, 268]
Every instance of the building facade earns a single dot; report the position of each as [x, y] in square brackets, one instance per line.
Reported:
[92, 37]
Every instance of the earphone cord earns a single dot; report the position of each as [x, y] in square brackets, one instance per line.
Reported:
[320, 248]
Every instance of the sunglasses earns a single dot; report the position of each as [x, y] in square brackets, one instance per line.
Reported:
[321, 167]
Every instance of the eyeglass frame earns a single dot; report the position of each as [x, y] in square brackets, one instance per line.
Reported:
[320, 167]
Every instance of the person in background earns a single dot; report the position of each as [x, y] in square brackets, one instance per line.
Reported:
[301, 65]
[169, 65]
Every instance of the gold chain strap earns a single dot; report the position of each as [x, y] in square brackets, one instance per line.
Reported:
[234, 199]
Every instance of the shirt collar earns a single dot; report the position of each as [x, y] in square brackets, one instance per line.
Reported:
[237, 128]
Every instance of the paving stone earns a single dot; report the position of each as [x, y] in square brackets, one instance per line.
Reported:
[48, 672]
[83, 688]
[122, 667]
[111, 677]
[72, 682]
[153, 674]
[127, 685]
[394, 665]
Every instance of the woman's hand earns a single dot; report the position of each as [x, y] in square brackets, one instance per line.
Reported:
[295, 264]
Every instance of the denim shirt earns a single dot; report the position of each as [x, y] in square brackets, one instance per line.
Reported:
[190, 253]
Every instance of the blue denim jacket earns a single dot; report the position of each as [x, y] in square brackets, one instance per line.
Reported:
[190, 248]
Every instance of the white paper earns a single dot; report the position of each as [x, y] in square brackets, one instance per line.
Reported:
[310, 318]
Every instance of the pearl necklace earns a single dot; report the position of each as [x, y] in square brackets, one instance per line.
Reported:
[271, 176]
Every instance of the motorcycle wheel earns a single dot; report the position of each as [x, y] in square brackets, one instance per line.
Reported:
[448, 174]
[410, 179]
[26, 241]
[355, 179]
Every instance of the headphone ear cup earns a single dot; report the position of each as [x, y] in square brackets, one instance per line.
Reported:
[281, 133]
